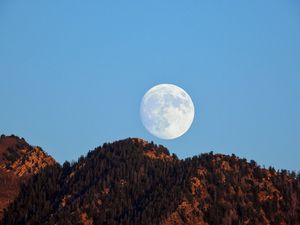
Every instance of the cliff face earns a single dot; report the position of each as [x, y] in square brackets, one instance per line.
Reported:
[18, 162]
[136, 182]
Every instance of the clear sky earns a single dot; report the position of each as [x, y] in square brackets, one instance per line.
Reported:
[72, 73]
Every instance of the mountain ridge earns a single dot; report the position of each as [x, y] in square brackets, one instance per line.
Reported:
[133, 181]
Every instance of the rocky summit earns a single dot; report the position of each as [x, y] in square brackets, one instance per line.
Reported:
[18, 162]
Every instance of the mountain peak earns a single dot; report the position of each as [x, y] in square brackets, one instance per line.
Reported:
[152, 150]
[17, 156]
[139, 141]
[10, 142]
[18, 162]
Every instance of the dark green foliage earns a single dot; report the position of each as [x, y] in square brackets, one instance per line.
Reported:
[118, 184]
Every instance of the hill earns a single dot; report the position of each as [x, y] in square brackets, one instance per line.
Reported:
[18, 162]
[135, 182]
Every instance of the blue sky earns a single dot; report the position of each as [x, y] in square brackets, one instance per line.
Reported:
[72, 74]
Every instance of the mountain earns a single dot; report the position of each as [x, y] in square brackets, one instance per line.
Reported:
[132, 182]
[18, 162]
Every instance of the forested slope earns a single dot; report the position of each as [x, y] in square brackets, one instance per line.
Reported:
[136, 182]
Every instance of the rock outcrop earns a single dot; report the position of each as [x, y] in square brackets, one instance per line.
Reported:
[18, 162]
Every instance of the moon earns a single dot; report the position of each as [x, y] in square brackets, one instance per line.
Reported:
[167, 111]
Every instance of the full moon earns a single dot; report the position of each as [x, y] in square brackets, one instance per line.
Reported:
[167, 111]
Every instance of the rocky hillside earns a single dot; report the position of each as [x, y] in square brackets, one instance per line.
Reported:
[136, 182]
[18, 162]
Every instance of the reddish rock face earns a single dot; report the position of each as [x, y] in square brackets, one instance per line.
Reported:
[18, 162]
[152, 153]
